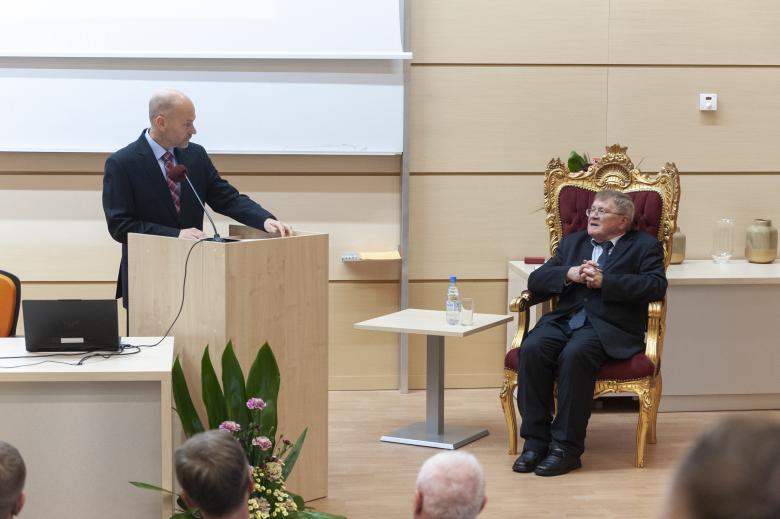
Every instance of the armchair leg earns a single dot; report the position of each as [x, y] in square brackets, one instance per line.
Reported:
[651, 438]
[645, 416]
[507, 390]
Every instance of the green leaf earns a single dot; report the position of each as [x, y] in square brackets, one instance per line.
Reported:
[263, 382]
[292, 457]
[190, 421]
[147, 486]
[234, 387]
[213, 398]
[576, 162]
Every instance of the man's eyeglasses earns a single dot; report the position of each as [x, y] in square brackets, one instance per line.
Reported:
[599, 211]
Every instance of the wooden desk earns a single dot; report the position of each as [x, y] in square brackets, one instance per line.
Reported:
[433, 323]
[720, 349]
[86, 431]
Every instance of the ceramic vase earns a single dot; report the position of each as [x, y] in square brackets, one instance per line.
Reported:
[761, 242]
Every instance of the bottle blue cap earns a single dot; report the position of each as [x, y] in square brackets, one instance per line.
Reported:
[452, 279]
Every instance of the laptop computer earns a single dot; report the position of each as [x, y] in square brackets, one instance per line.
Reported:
[71, 325]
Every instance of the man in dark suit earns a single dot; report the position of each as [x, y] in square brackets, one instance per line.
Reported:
[604, 278]
[138, 195]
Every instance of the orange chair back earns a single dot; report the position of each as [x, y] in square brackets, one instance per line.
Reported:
[10, 297]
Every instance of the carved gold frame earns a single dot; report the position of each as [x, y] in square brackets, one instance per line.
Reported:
[614, 170]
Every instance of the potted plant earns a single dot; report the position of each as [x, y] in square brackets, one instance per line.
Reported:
[247, 408]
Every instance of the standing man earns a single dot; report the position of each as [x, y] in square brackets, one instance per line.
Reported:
[604, 278]
[139, 197]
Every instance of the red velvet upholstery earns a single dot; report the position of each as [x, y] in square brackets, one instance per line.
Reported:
[573, 202]
[637, 366]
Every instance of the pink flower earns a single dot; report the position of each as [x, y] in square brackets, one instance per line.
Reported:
[230, 426]
[262, 442]
[255, 403]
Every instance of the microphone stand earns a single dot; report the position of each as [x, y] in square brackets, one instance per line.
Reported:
[217, 238]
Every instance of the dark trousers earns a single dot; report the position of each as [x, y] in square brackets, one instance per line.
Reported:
[574, 357]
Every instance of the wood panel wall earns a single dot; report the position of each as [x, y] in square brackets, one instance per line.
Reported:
[500, 88]
[497, 89]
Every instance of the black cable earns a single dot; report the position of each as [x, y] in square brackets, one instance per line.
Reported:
[80, 362]
[181, 305]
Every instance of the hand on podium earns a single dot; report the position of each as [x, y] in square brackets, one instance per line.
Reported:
[273, 226]
[192, 234]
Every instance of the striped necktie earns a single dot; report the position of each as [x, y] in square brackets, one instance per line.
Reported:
[173, 187]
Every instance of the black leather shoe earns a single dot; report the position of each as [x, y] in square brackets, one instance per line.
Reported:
[527, 461]
[557, 463]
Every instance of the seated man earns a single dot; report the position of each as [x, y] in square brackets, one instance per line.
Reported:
[733, 470]
[451, 485]
[604, 278]
[214, 475]
[12, 475]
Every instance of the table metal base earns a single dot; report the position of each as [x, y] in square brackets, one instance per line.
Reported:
[453, 436]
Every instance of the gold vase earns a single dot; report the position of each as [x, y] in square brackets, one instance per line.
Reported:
[761, 242]
[678, 247]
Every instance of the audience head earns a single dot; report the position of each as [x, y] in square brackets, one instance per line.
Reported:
[172, 116]
[213, 472]
[451, 485]
[12, 476]
[731, 471]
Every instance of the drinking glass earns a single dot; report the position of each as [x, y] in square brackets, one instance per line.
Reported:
[723, 240]
[467, 311]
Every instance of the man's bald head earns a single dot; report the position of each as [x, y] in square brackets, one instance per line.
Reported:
[450, 485]
[165, 101]
[172, 115]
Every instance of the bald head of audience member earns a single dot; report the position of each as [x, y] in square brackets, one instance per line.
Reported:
[12, 476]
[450, 485]
[733, 470]
[214, 475]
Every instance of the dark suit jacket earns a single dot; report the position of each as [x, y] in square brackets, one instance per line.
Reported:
[634, 276]
[136, 197]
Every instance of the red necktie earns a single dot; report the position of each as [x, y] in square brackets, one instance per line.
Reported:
[172, 186]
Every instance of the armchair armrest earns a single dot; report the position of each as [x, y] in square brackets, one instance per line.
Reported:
[522, 305]
[656, 324]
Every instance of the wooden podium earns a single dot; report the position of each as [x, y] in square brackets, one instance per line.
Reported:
[260, 289]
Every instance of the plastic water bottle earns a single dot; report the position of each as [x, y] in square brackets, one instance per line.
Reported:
[453, 302]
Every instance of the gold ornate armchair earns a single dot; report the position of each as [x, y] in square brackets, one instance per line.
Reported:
[566, 196]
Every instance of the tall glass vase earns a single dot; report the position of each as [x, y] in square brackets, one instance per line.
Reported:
[723, 240]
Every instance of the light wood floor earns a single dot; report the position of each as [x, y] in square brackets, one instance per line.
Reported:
[372, 479]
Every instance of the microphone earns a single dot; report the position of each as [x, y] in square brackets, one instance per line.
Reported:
[178, 173]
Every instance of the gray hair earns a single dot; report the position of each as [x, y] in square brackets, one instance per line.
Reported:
[733, 470]
[622, 201]
[163, 102]
[452, 485]
[12, 476]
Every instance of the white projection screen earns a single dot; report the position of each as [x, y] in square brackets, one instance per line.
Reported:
[267, 76]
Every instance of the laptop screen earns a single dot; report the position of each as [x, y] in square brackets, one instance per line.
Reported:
[71, 325]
